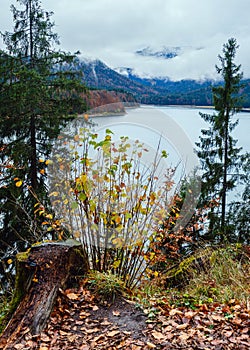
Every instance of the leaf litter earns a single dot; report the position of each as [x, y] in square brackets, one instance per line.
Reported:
[80, 321]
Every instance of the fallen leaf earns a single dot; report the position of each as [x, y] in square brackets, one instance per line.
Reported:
[84, 347]
[182, 326]
[63, 333]
[112, 333]
[83, 314]
[190, 314]
[116, 313]
[237, 321]
[127, 333]
[168, 329]
[105, 322]
[233, 340]
[151, 345]
[216, 342]
[96, 339]
[228, 334]
[72, 337]
[30, 343]
[45, 338]
[217, 318]
[174, 312]
[19, 346]
[91, 330]
[72, 296]
[135, 347]
[95, 308]
[79, 323]
[184, 336]
[245, 330]
[158, 335]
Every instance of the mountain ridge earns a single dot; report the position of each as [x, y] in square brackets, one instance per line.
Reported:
[151, 90]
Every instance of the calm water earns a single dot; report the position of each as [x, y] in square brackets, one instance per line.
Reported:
[180, 127]
[190, 120]
[177, 127]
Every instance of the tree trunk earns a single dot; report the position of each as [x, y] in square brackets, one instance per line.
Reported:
[224, 181]
[33, 154]
[41, 272]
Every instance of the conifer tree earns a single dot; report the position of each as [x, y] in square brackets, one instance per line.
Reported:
[220, 158]
[39, 91]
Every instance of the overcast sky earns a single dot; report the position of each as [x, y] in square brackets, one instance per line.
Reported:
[112, 30]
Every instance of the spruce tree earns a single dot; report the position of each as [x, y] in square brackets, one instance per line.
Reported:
[220, 158]
[40, 89]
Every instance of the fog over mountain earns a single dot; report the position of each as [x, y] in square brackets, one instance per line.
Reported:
[151, 90]
[179, 39]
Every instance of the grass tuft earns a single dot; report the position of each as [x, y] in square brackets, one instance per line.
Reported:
[106, 285]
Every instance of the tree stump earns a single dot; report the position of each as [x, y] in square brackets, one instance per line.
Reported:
[41, 272]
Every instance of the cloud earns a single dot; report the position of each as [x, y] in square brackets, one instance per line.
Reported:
[112, 30]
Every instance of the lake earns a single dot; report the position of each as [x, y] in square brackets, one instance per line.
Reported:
[190, 120]
[178, 128]
[187, 118]
[173, 129]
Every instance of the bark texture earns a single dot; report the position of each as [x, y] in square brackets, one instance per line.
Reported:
[41, 272]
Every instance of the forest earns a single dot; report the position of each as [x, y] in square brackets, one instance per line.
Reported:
[96, 253]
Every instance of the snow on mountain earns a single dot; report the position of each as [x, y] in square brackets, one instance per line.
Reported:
[164, 52]
[132, 73]
[127, 72]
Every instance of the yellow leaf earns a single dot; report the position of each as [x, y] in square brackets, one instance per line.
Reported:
[41, 160]
[35, 280]
[118, 242]
[42, 171]
[9, 261]
[77, 234]
[86, 117]
[48, 161]
[19, 183]
[116, 264]
[53, 194]
[76, 138]
[49, 216]
[84, 178]
[118, 219]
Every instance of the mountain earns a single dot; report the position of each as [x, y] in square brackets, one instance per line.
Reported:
[165, 52]
[150, 90]
[99, 76]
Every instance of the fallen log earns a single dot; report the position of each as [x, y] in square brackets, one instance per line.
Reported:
[40, 273]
